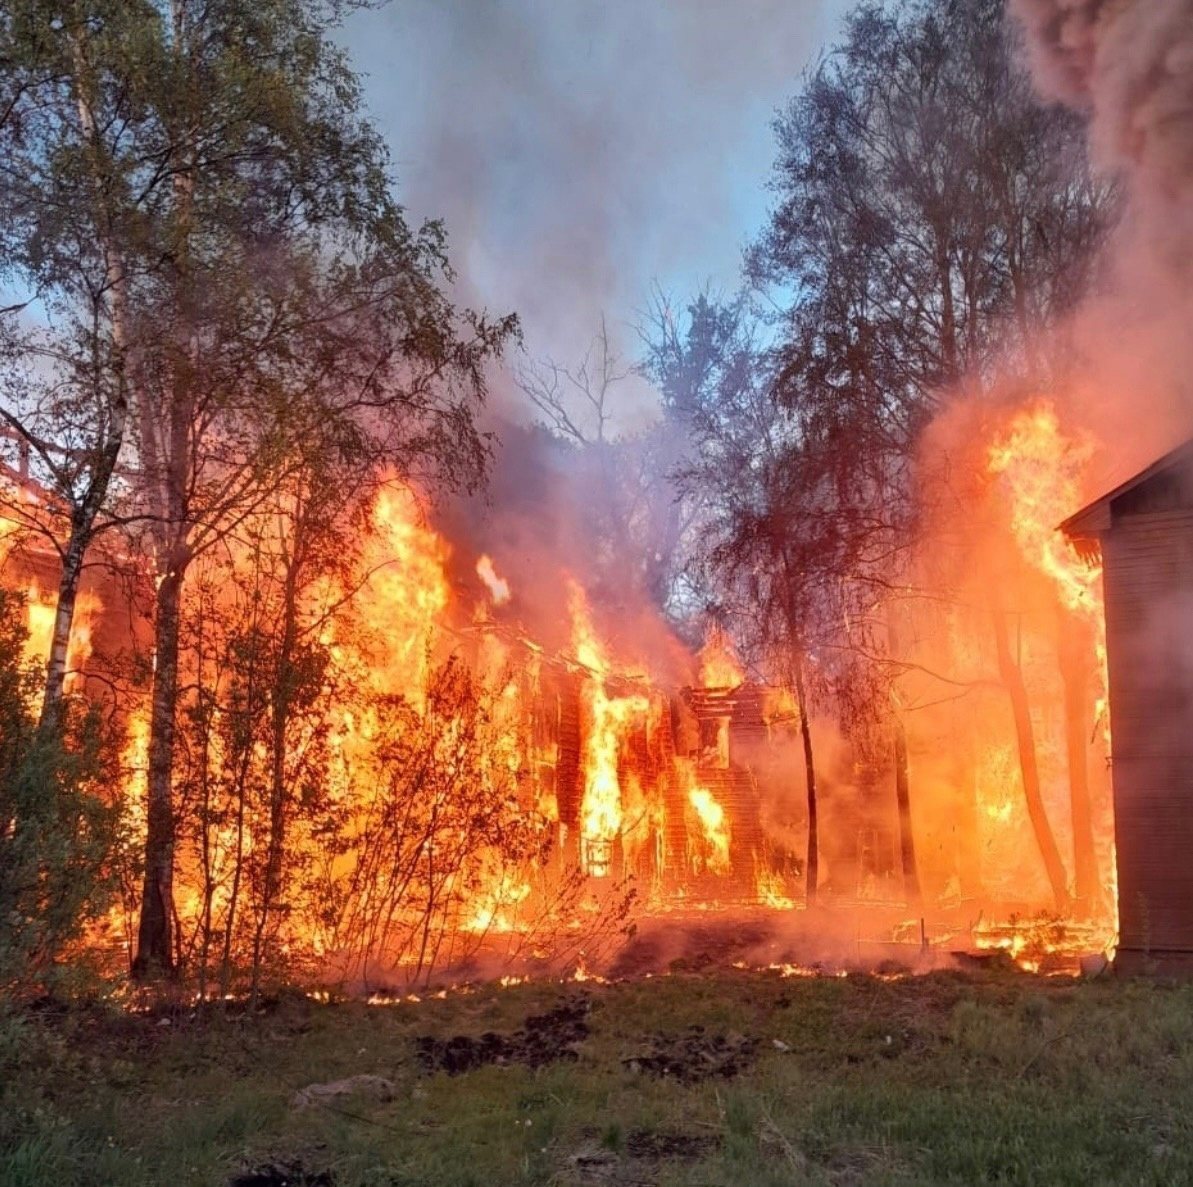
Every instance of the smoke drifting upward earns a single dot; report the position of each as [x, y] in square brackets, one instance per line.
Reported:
[576, 152]
[1129, 65]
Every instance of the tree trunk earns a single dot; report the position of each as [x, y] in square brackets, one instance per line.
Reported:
[911, 876]
[1012, 679]
[812, 866]
[64, 617]
[283, 696]
[82, 532]
[1073, 652]
[155, 938]
[82, 525]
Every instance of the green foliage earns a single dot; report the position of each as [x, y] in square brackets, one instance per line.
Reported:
[195, 195]
[974, 1088]
[57, 831]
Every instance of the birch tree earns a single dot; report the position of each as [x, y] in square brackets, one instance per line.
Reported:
[262, 286]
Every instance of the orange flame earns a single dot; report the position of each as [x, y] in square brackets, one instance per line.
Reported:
[719, 667]
[1042, 469]
[407, 592]
[495, 909]
[609, 720]
[716, 828]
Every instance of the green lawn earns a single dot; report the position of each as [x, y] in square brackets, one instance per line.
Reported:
[986, 1077]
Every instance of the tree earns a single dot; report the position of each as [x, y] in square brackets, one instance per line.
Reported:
[693, 356]
[57, 828]
[266, 288]
[749, 565]
[931, 218]
[620, 472]
[70, 224]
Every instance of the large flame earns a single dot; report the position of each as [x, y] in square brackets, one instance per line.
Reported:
[1042, 470]
[719, 667]
[609, 719]
[406, 594]
[576, 745]
[715, 829]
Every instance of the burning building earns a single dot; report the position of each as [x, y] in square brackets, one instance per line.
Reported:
[664, 786]
[1144, 529]
[494, 763]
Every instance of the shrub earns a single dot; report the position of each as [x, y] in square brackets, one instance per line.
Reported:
[57, 827]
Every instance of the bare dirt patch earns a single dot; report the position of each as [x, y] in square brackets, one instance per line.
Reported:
[637, 1161]
[542, 1039]
[694, 1055]
[281, 1174]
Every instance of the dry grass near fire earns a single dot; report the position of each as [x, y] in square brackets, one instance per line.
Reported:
[946, 1078]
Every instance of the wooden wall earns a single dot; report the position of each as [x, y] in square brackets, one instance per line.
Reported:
[1148, 578]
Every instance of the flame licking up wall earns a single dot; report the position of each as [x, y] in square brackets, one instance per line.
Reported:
[407, 591]
[714, 826]
[608, 720]
[1042, 470]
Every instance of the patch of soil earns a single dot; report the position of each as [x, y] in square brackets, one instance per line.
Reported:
[658, 1145]
[694, 1055]
[281, 1174]
[542, 1038]
[637, 1164]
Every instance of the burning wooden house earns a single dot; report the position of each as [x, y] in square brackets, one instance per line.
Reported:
[664, 787]
[1144, 528]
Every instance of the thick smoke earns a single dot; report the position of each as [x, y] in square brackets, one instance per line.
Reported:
[576, 152]
[1128, 64]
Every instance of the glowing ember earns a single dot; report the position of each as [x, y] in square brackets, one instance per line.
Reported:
[1045, 943]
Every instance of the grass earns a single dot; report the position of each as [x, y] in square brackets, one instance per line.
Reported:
[990, 1077]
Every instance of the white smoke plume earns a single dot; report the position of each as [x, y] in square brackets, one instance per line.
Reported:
[577, 152]
[1128, 64]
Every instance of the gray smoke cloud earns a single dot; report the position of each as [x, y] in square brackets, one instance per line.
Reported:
[577, 151]
[1128, 64]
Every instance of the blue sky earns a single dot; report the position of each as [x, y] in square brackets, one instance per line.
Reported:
[578, 151]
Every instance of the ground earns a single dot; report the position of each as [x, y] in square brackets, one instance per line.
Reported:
[717, 1077]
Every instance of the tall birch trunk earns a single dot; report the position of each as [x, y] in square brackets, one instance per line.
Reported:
[155, 933]
[86, 510]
